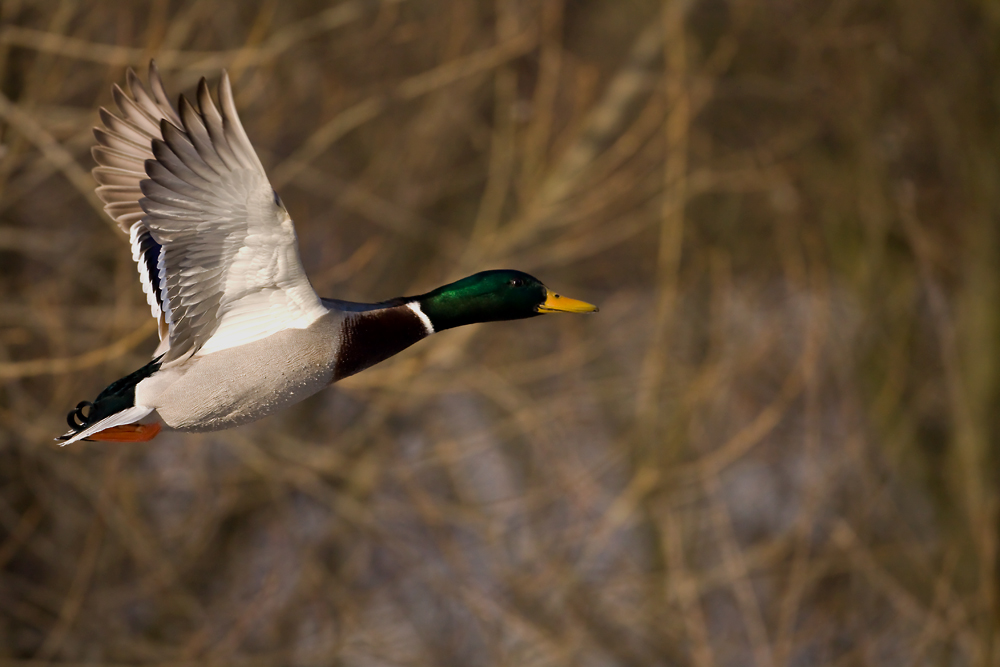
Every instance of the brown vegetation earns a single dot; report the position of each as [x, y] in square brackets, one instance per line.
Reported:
[775, 445]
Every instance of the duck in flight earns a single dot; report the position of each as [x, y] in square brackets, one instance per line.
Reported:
[242, 333]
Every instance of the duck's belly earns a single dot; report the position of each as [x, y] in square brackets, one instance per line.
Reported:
[241, 384]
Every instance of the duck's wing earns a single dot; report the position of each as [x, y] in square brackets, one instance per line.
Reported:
[123, 146]
[227, 264]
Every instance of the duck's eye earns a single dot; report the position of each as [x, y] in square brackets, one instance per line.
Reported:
[516, 282]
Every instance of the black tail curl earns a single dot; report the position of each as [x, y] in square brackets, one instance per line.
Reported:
[76, 419]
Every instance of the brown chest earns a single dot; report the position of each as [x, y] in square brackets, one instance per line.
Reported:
[373, 336]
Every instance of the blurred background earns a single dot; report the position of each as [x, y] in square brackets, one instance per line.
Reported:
[775, 445]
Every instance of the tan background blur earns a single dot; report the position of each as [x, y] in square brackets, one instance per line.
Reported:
[776, 444]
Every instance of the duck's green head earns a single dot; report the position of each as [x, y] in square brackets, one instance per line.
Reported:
[491, 296]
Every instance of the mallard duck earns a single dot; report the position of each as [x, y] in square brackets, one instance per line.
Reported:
[242, 333]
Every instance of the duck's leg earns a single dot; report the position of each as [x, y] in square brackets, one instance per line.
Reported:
[127, 433]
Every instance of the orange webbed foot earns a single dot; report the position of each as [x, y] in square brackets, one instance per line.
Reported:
[127, 433]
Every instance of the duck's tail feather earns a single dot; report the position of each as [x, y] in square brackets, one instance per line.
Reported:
[115, 406]
[126, 416]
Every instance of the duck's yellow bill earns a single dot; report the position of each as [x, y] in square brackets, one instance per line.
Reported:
[555, 303]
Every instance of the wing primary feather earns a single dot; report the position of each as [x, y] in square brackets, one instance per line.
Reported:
[169, 196]
[113, 140]
[118, 208]
[112, 157]
[125, 220]
[124, 130]
[213, 122]
[238, 139]
[160, 93]
[135, 114]
[115, 194]
[159, 170]
[180, 158]
[112, 176]
[194, 126]
[142, 97]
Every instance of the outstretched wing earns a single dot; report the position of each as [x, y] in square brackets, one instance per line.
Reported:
[123, 146]
[227, 268]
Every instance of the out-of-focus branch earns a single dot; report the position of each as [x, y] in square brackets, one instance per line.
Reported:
[121, 56]
[54, 153]
[413, 87]
[21, 369]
